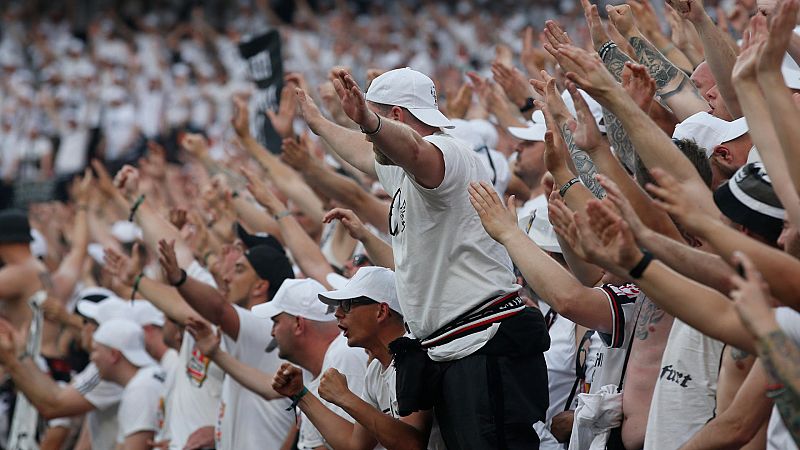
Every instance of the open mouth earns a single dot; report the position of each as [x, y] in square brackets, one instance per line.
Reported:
[344, 330]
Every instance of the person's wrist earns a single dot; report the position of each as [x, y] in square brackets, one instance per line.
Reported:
[637, 262]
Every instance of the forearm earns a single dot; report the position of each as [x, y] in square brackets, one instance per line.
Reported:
[780, 357]
[390, 432]
[784, 114]
[350, 195]
[697, 305]
[155, 227]
[204, 299]
[704, 267]
[249, 377]
[380, 253]
[583, 164]
[614, 59]
[337, 431]
[70, 269]
[720, 57]
[305, 251]
[167, 299]
[255, 218]
[618, 138]
[554, 284]
[37, 386]
[350, 145]
[670, 51]
[674, 86]
[765, 139]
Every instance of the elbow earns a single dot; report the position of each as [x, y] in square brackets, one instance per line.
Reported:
[738, 431]
[50, 411]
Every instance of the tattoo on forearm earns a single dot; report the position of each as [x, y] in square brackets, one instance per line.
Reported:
[669, 79]
[649, 316]
[684, 86]
[618, 138]
[583, 163]
[781, 359]
[615, 60]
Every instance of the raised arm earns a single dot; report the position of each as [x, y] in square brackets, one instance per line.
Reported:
[379, 252]
[305, 251]
[71, 268]
[201, 297]
[344, 190]
[720, 55]
[551, 282]
[673, 85]
[349, 144]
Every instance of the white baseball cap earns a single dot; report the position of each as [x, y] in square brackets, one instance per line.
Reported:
[373, 282]
[533, 132]
[127, 337]
[709, 131]
[537, 226]
[411, 90]
[336, 281]
[298, 298]
[594, 107]
[105, 310]
[144, 313]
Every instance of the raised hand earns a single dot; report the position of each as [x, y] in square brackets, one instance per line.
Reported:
[262, 193]
[628, 214]
[372, 74]
[531, 57]
[195, 144]
[458, 104]
[671, 196]
[104, 181]
[333, 386]
[288, 380]
[746, 68]
[353, 102]
[645, 16]
[297, 153]
[751, 298]
[123, 267]
[623, 20]
[585, 131]
[155, 164]
[177, 217]
[83, 190]
[282, 120]
[780, 34]
[596, 29]
[691, 10]
[309, 110]
[8, 343]
[587, 71]
[500, 221]
[297, 79]
[563, 220]
[127, 181]
[606, 239]
[350, 220]
[169, 261]
[513, 83]
[206, 339]
[241, 117]
[638, 84]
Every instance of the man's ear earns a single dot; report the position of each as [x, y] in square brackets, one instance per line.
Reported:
[397, 113]
[722, 152]
[299, 325]
[260, 289]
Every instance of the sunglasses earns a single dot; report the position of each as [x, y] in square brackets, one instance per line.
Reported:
[361, 260]
[348, 304]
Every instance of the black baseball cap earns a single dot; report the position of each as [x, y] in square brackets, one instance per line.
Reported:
[270, 264]
[256, 239]
[749, 200]
[14, 227]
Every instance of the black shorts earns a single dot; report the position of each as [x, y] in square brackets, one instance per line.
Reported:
[489, 399]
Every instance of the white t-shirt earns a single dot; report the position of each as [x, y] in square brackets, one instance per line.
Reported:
[778, 436]
[105, 397]
[380, 391]
[171, 364]
[684, 398]
[245, 419]
[138, 408]
[462, 266]
[72, 151]
[352, 363]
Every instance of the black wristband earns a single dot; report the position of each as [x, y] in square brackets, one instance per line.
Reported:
[527, 106]
[377, 129]
[639, 268]
[182, 280]
[136, 285]
[135, 207]
[563, 191]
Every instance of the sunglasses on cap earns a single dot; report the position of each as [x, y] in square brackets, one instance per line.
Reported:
[348, 304]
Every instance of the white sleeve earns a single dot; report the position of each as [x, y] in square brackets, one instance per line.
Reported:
[254, 334]
[460, 167]
[789, 321]
[139, 411]
[100, 393]
[200, 273]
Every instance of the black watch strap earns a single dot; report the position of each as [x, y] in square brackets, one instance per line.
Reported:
[639, 268]
[527, 106]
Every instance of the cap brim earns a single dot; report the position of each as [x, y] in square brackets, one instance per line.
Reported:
[432, 117]
[334, 297]
[88, 309]
[139, 358]
[533, 133]
[336, 281]
[266, 310]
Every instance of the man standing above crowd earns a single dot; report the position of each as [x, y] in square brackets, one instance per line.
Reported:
[485, 349]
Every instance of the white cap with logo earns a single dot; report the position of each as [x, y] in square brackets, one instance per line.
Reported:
[127, 337]
[411, 90]
[709, 131]
[373, 282]
[298, 298]
[537, 226]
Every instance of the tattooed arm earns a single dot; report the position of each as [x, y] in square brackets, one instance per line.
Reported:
[583, 163]
[781, 359]
[618, 138]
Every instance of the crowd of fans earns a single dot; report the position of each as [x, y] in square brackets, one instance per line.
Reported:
[489, 225]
